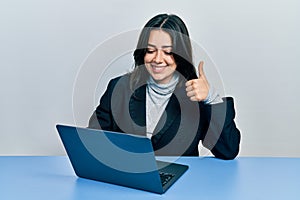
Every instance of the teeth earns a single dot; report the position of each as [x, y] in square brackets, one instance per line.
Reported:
[157, 68]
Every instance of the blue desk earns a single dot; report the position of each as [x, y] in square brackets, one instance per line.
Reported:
[207, 178]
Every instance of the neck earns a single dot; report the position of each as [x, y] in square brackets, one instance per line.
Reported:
[166, 88]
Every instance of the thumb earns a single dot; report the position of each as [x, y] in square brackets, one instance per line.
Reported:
[200, 69]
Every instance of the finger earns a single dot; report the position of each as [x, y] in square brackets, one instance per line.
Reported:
[200, 69]
[189, 88]
[193, 98]
[190, 93]
[189, 83]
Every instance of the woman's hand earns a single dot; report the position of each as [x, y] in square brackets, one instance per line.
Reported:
[197, 89]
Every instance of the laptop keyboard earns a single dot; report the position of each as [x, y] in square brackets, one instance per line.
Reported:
[165, 177]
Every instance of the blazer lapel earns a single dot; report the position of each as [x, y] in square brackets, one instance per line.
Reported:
[137, 110]
[167, 118]
[171, 113]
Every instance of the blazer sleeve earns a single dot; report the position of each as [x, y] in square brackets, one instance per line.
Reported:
[222, 137]
[102, 116]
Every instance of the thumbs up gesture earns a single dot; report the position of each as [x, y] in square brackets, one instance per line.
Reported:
[197, 89]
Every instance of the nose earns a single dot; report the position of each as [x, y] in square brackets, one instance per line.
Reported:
[158, 57]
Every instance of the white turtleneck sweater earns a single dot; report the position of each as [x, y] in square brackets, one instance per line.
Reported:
[157, 98]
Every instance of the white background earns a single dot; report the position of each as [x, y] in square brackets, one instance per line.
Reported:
[255, 46]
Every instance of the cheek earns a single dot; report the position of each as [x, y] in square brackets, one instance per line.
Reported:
[170, 61]
[148, 58]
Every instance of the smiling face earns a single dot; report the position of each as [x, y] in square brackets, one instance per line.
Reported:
[158, 59]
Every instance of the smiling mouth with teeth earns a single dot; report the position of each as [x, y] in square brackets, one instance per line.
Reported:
[158, 69]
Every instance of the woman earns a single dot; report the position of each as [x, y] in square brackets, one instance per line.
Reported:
[165, 100]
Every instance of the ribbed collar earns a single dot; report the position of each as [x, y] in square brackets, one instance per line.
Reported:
[163, 89]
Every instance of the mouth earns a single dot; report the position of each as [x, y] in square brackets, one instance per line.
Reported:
[158, 68]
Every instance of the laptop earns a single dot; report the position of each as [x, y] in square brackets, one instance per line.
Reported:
[118, 158]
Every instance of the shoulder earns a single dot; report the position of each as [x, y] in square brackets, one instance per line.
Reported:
[120, 81]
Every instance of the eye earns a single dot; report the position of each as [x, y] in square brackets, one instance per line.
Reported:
[168, 53]
[148, 50]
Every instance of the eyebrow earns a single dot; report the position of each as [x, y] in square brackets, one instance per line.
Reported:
[164, 46]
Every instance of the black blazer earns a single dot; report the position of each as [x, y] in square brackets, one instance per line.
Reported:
[183, 124]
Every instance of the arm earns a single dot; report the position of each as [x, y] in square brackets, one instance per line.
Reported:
[222, 136]
[102, 116]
